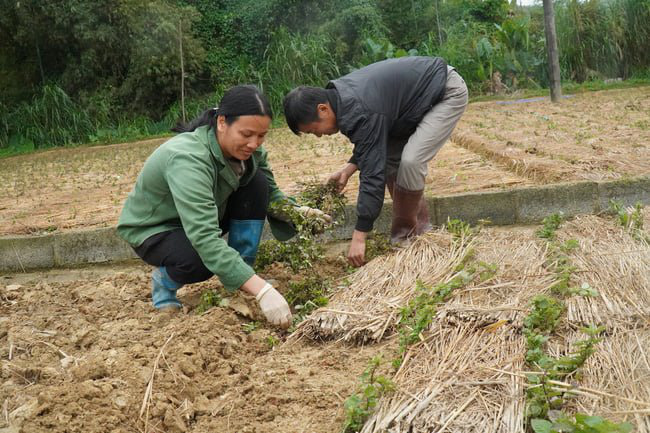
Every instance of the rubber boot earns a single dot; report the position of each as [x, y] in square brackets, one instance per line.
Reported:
[407, 205]
[423, 224]
[163, 290]
[244, 236]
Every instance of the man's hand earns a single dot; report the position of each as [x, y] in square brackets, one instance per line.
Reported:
[274, 306]
[341, 177]
[357, 252]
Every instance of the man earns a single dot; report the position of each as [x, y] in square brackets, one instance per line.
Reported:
[398, 113]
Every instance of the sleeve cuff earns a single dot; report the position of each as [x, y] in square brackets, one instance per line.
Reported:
[364, 224]
[352, 160]
[237, 277]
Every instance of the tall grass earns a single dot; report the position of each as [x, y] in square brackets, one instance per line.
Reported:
[292, 60]
[49, 119]
[603, 38]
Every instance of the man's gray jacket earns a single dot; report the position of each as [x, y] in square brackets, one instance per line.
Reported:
[384, 100]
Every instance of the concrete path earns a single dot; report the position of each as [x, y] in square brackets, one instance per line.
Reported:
[516, 206]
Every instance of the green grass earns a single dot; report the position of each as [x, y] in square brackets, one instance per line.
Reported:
[567, 89]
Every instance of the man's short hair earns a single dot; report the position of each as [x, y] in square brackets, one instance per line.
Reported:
[301, 106]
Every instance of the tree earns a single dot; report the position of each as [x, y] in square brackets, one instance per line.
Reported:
[551, 48]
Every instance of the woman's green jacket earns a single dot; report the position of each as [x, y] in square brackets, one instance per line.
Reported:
[186, 183]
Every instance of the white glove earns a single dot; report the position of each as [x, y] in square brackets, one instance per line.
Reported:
[310, 212]
[274, 306]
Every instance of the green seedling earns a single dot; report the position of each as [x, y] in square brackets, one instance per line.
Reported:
[550, 225]
[250, 327]
[377, 245]
[209, 299]
[418, 314]
[631, 219]
[581, 423]
[272, 341]
[359, 406]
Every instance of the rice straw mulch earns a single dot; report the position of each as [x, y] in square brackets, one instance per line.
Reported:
[369, 308]
[519, 257]
[467, 374]
[449, 383]
[615, 380]
[615, 265]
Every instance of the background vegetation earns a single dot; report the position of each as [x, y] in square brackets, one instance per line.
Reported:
[76, 71]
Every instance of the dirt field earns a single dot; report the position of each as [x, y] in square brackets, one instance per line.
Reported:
[83, 351]
[591, 136]
[80, 347]
[598, 135]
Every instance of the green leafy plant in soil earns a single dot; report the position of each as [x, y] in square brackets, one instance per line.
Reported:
[209, 299]
[377, 244]
[359, 406]
[631, 219]
[550, 225]
[307, 295]
[544, 401]
[581, 423]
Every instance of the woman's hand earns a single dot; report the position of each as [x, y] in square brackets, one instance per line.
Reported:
[271, 302]
[274, 306]
[357, 252]
[341, 177]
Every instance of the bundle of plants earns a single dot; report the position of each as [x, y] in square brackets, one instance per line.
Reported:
[304, 249]
[368, 308]
[452, 380]
[615, 263]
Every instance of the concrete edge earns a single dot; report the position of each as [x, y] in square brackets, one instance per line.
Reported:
[517, 206]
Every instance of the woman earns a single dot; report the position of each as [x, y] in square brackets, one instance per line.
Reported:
[211, 179]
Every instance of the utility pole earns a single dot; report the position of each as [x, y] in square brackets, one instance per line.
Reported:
[551, 49]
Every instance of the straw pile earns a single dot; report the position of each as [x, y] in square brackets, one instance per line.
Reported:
[614, 264]
[369, 308]
[614, 380]
[448, 384]
[519, 257]
[467, 375]
[515, 159]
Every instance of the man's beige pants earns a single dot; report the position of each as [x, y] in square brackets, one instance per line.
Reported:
[410, 163]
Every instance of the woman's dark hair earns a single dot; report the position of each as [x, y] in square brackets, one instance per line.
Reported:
[301, 106]
[241, 100]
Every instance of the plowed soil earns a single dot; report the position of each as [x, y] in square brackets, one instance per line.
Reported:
[83, 351]
[591, 136]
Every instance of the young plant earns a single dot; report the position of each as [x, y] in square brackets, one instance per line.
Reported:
[306, 296]
[359, 406]
[630, 218]
[209, 299]
[581, 423]
[418, 314]
[377, 244]
[550, 225]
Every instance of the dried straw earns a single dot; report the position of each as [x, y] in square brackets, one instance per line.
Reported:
[369, 307]
[615, 380]
[617, 267]
[445, 384]
[519, 256]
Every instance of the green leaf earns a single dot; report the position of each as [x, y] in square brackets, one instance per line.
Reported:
[541, 425]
